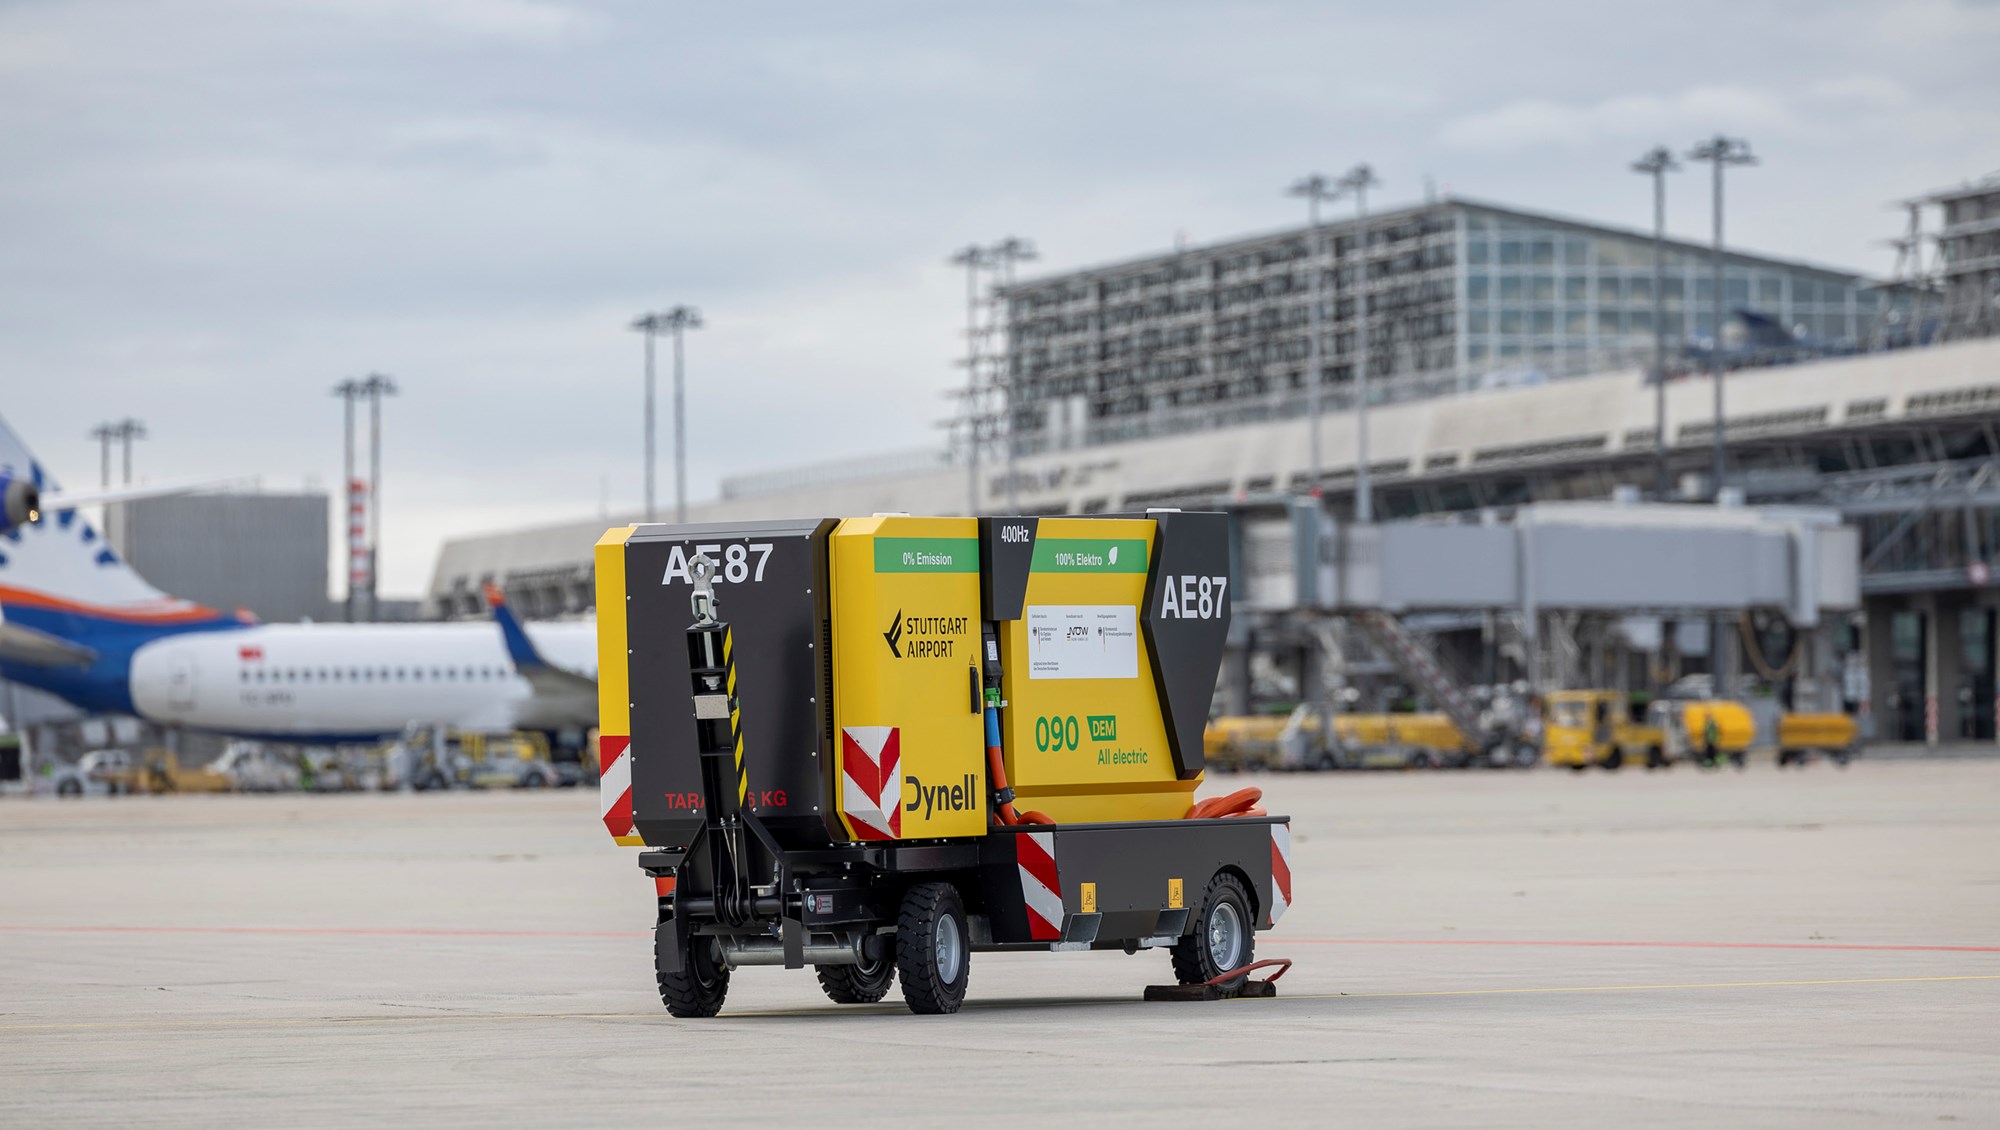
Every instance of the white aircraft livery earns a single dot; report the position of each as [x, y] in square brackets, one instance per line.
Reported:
[77, 621]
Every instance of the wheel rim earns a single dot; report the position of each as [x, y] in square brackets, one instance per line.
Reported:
[950, 953]
[1225, 937]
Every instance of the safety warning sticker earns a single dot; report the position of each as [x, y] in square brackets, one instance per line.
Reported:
[1083, 641]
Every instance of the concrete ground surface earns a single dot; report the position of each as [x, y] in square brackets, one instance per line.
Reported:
[1817, 947]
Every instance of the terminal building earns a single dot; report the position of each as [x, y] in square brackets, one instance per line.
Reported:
[1456, 295]
[1510, 374]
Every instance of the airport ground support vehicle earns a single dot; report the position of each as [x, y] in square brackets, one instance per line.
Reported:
[1802, 736]
[1705, 731]
[1601, 728]
[878, 746]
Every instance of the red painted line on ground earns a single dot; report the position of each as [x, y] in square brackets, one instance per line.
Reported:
[330, 931]
[1280, 940]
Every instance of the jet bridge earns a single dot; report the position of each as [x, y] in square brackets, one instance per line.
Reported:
[1550, 564]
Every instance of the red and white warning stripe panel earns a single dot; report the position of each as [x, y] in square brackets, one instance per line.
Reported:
[1281, 871]
[1041, 884]
[871, 783]
[614, 788]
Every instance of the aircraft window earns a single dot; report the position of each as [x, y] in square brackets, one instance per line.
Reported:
[404, 672]
[417, 673]
[435, 675]
[321, 673]
[245, 675]
[385, 674]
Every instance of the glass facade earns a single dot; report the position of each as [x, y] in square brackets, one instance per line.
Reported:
[1548, 299]
[1453, 295]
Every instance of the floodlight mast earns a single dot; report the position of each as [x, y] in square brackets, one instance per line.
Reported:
[1657, 163]
[1721, 151]
[974, 259]
[1358, 180]
[1315, 188]
[1004, 255]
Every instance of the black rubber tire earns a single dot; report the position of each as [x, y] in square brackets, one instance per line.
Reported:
[69, 787]
[857, 984]
[699, 988]
[1526, 756]
[1421, 759]
[1194, 959]
[1656, 758]
[929, 911]
[1615, 760]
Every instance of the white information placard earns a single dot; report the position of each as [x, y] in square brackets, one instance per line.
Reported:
[1083, 641]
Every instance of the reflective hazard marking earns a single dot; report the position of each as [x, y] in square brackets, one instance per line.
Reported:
[1281, 871]
[614, 787]
[1041, 885]
[1176, 899]
[871, 784]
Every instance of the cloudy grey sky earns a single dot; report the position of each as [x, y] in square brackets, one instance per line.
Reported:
[212, 210]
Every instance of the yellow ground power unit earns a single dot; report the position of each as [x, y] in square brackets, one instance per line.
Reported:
[878, 745]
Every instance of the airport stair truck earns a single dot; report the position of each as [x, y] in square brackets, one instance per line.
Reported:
[1415, 661]
[876, 746]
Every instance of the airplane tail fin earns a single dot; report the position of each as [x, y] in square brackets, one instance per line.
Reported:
[67, 598]
[526, 657]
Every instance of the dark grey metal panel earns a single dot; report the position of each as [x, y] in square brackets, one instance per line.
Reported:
[1185, 643]
[1006, 552]
[778, 624]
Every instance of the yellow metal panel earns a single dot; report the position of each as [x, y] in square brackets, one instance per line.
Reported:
[1085, 736]
[614, 702]
[905, 664]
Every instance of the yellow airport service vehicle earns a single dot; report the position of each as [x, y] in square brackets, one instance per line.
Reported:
[1830, 733]
[1705, 731]
[160, 771]
[1598, 727]
[820, 731]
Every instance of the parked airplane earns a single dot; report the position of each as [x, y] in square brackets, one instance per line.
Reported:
[77, 621]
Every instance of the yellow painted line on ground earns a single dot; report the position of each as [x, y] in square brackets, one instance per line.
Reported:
[890, 1009]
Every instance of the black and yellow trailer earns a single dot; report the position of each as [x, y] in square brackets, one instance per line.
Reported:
[876, 746]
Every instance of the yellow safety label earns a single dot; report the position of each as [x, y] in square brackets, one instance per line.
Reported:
[1174, 897]
[1089, 898]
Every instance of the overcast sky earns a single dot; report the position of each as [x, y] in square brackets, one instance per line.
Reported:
[210, 211]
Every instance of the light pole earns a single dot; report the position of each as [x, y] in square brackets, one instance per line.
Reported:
[1657, 163]
[375, 386]
[349, 391]
[124, 431]
[650, 325]
[1314, 188]
[1005, 254]
[1357, 181]
[681, 319]
[972, 257]
[1722, 151]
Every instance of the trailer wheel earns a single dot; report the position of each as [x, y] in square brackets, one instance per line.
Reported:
[1615, 760]
[697, 990]
[1655, 759]
[932, 951]
[1224, 936]
[857, 984]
